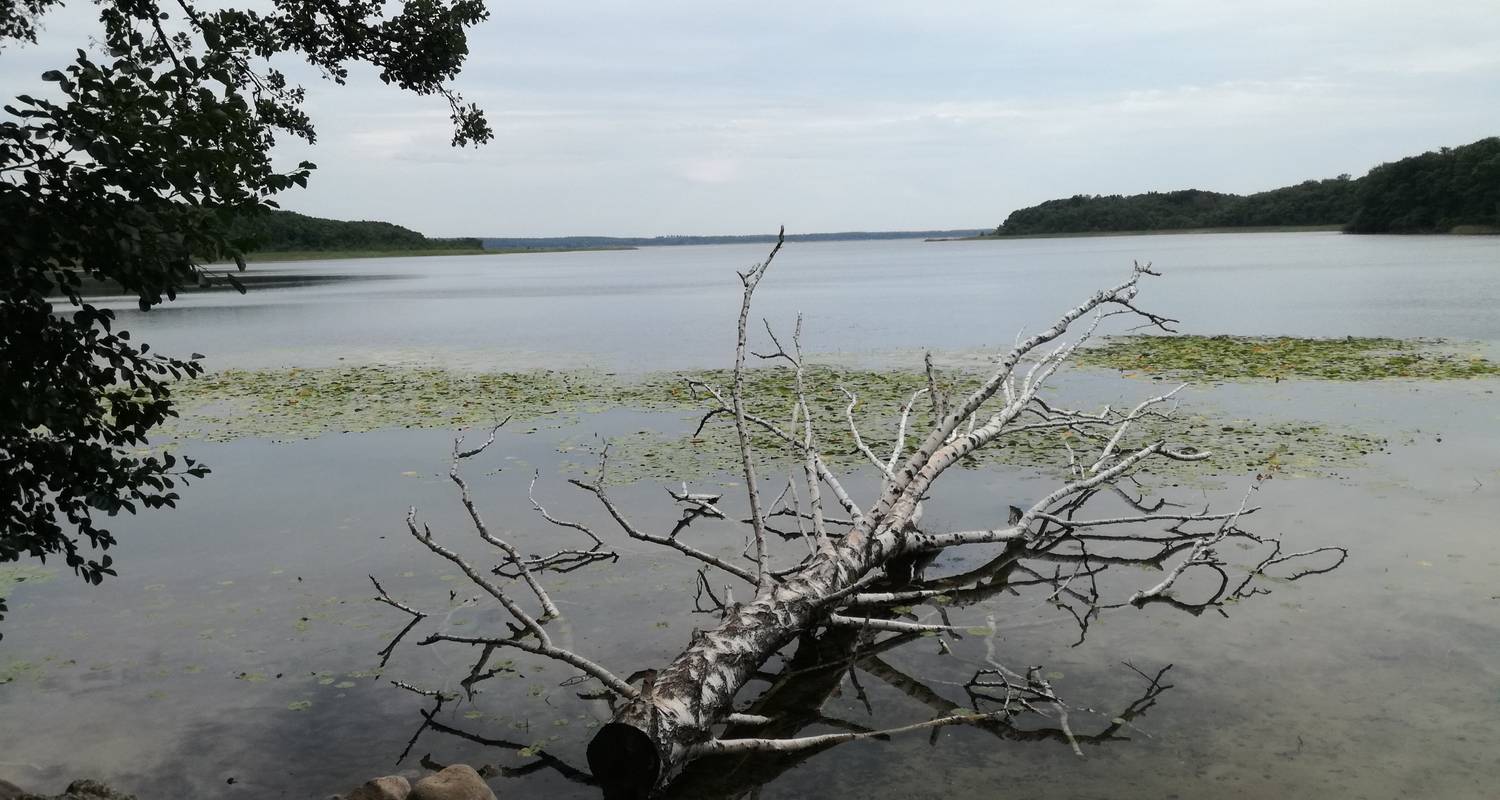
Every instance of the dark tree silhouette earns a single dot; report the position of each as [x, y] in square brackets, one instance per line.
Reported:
[129, 166]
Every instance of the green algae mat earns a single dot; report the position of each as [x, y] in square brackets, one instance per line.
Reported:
[14, 575]
[306, 403]
[1220, 358]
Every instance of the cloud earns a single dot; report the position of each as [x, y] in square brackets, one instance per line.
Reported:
[709, 170]
[671, 116]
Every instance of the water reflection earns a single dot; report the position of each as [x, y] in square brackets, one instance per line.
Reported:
[213, 282]
[1055, 568]
[818, 669]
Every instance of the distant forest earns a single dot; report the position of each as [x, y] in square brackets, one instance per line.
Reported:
[287, 231]
[283, 231]
[1452, 189]
[555, 242]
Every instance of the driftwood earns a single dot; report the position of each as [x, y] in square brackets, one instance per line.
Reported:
[862, 560]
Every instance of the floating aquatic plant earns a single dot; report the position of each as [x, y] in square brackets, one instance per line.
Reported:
[1219, 358]
[305, 403]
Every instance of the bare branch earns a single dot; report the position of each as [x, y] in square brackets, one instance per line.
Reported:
[549, 610]
[734, 746]
[890, 464]
[424, 535]
[531, 495]
[859, 442]
[1202, 554]
[934, 394]
[1135, 414]
[750, 280]
[386, 598]
[546, 649]
[633, 532]
[890, 625]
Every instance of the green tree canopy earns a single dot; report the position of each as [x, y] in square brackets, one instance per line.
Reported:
[130, 166]
[1433, 192]
[288, 230]
[1328, 202]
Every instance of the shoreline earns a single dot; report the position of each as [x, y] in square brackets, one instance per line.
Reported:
[1160, 232]
[1461, 230]
[274, 256]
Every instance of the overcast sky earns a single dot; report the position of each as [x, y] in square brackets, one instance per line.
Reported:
[646, 118]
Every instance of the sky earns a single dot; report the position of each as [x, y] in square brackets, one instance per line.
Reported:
[651, 118]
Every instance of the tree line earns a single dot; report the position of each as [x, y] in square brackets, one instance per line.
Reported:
[1435, 192]
[1451, 188]
[279, 231]
[553, 242]
[282, 231]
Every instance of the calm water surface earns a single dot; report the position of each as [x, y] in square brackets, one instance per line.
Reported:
[666, 307]
[240, 643]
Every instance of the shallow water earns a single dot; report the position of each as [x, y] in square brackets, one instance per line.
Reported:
[240, 641]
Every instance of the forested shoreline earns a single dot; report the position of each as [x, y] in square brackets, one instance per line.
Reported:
[288, 231]
[621, 242]
[1449, 190]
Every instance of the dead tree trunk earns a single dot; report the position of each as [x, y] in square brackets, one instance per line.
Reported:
[671, 716]
[676, 710]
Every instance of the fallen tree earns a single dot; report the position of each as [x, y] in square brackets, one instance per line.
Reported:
[862, 561]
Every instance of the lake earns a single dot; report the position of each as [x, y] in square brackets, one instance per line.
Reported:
[666, 307]
[237, 654]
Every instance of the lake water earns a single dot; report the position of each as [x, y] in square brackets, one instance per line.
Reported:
[666, 307]
[235, 654]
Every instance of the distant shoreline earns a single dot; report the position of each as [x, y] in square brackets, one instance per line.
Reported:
[612, 242]
[271, 257]
[274, 256]
[1161, 232]
[1459, 230]
[579, 249]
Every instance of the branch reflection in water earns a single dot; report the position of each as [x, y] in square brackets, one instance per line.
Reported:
[1057, 570]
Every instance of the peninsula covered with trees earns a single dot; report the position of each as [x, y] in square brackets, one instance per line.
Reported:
[1449, 190]
[286, 233]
